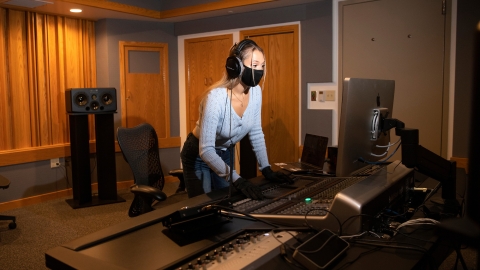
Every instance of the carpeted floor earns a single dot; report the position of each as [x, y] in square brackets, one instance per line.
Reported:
[50, 224]
[47, 225]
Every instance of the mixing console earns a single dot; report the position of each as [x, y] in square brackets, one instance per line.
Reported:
[326, 202]
[247, 250]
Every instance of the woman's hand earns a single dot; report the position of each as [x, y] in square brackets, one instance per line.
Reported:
[276, 176]
[248, 189]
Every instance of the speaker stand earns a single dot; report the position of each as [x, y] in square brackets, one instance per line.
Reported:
[106, 168]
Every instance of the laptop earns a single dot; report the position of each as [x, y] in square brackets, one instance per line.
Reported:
[313, 156]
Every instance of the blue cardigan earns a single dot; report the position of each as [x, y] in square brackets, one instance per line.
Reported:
[219, 126]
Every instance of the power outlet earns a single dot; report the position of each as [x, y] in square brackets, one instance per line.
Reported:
[330, 95]
[55, 163]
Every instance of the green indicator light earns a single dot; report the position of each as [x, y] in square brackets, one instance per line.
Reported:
[308, 200]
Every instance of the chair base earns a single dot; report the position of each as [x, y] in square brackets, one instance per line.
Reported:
[179, 174]
[141, 204]
[75, 204]
[12, 225]
[181, 188]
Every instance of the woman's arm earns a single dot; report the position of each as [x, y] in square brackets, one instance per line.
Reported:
[211, 112]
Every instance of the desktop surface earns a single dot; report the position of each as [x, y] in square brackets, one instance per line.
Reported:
[144, 243]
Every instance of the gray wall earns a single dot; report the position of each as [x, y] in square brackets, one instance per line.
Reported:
[316, 50]
[108, 34]
[316, 65]
[36, 178]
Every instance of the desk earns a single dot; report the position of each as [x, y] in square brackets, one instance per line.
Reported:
[143, 243]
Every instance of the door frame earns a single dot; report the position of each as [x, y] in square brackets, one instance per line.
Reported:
[164, 73]
[236, 38]
[168, 141]
[289, 28]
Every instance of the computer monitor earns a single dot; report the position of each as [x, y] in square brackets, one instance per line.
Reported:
[356, 141]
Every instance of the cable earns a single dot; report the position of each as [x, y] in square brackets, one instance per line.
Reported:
[318, 249]
[230, 180]
[378, 243]
[395, 214]
[418, 221]
[353, 235]
[283, 252]
[385, 146]
[313, 209]
[380, 161]
[388, 145]
[359, 256]
[355, 216]
[276, 227]
[243, 213]
[360, 234]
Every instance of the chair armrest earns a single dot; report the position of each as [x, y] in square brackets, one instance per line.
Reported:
[176, 172]
[150, 191]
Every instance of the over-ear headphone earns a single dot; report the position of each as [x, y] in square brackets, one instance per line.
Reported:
[234, 64]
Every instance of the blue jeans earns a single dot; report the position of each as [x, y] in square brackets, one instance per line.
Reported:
[198, 176]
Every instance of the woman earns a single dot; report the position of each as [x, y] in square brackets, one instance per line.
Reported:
[230, 110]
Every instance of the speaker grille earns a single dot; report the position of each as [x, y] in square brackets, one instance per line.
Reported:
[91, 100]
[107, 99]
[81, 99]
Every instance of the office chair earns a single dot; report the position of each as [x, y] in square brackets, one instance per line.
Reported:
[4, 184]
[139, 146]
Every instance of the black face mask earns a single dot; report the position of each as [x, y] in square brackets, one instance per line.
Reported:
[250, 80]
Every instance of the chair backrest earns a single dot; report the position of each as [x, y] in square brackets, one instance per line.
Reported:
[139, 146]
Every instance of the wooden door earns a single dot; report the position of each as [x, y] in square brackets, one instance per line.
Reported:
[144, 87]
[403, 41]
[204, 64]
[280, 116]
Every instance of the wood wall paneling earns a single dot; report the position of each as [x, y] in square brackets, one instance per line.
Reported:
[6, 139]
[17, 70]
[40, 56]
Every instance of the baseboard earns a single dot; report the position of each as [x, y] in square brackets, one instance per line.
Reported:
[63, 193]
[461, 162]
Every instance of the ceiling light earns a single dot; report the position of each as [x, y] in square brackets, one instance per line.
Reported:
[75, 10]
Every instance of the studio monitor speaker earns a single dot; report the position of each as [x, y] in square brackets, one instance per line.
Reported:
[91, 100]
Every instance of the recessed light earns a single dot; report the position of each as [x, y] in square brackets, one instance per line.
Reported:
[75, 10]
